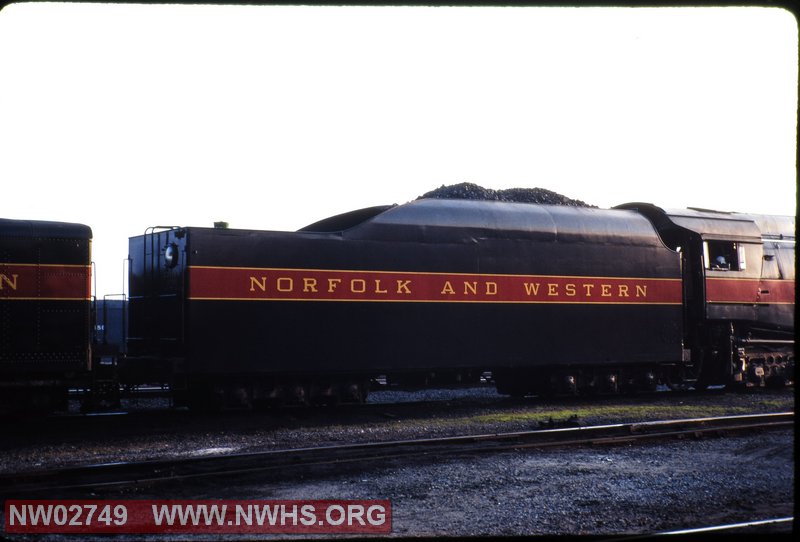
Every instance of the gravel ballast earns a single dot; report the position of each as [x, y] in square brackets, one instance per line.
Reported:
[598, 490]
[589, 490]
[601, 489]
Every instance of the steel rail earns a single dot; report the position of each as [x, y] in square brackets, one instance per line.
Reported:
[728, 527]
[701, 530]
[130, 473]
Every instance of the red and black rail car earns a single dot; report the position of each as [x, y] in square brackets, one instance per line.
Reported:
[433, 288]
[45, 311]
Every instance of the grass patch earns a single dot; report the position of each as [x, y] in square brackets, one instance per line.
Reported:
[621, 412]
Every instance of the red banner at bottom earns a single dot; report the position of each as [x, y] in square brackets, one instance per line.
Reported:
[199, 516]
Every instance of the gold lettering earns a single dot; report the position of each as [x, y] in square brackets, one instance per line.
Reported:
[641, 290]
[262, 284]
[588, 288]
[605, 290]
[282, 284]
[402, 286]
[623, 290]
[362, 287]
[570, 290]
[310, 285]
[532, 288]
[448, 288]
[332, 284]
[378, 287]
[12, 282]
[552, 289]
[470, 287]
[491, 288]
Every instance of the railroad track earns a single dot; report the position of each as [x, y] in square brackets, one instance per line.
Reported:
[126, 474]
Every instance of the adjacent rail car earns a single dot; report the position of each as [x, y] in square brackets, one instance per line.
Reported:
[540, 295]
[45, 311]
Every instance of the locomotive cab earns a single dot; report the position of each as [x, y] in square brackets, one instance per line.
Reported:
[738, 274]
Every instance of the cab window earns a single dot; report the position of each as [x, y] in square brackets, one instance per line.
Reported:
[723, 256]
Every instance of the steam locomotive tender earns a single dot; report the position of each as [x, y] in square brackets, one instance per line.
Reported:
[547, 298]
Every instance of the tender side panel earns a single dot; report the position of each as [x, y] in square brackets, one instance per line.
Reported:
[278, 302]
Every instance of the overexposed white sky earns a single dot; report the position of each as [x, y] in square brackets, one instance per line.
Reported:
[128, 116]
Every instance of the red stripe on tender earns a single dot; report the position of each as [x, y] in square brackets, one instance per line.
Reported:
[350, 285]
[33, 281]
